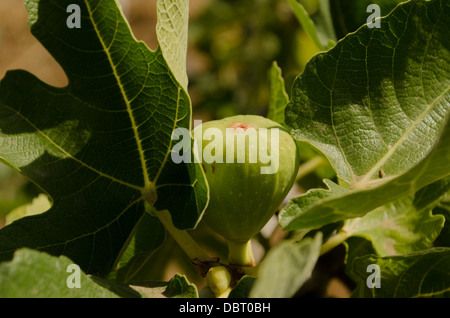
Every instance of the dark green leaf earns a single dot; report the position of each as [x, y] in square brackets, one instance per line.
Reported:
[350, 15]
[357, 247]
[149, 236]
[444, 209]
[243, 287]
[179, 287]
[420, 274]
[101, 146]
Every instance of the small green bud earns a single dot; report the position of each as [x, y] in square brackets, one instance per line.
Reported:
[219, 280]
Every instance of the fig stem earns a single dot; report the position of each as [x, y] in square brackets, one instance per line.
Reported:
[182, 237]
[240, 254]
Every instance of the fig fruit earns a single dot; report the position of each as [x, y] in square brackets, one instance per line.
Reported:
[250, 163]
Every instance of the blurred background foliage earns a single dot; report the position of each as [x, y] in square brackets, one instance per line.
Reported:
[232, 46]
[237, 42]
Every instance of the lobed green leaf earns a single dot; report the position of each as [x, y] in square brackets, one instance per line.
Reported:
[100, 147]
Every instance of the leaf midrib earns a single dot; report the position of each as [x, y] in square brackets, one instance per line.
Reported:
[413, 125]
[147, 183]
[398, 143]
[149, 186]
[422, 280]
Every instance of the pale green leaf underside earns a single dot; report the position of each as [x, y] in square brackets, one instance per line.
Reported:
[33, 274]
[172, 33]
[397, 228]
[376, 105]
[404, 226]
[327, 206]
[378, 100]
[285, 268]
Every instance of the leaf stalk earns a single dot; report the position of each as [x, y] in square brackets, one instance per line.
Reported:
[334, 241]
[182, 237]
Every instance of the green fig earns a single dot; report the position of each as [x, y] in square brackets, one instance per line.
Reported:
[250, 163]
